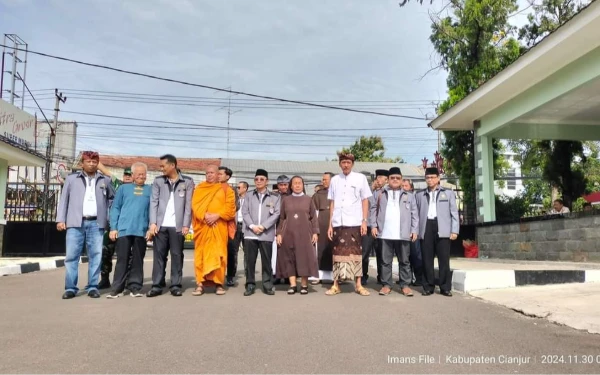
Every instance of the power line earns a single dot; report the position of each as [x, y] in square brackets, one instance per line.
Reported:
[166, 101]
[36, 103]
[215, 88]
[200, 126]
[149, 142]
[113, 124]
[112, 93]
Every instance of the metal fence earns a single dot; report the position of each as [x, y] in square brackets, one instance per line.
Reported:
[31, 202]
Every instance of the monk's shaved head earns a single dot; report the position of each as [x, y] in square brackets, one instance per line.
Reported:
[212, 173]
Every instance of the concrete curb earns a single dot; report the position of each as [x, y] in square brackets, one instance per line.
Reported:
[466, 281]
[471, 280]
[18, 269]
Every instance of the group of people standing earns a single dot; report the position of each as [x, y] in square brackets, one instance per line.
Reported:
[299, 238]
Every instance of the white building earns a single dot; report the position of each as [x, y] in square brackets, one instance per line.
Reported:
[512, 187]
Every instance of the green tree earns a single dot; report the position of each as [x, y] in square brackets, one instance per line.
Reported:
[560, 162]
[370, 149]
[474, 44]
[547, 16]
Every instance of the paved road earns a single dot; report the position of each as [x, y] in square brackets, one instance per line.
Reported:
[347, 333]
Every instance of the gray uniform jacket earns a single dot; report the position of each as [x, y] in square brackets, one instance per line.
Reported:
[265, 213]
[70, 209]
[372, 202]
[409, 215]
[161, 191]
[447, 212]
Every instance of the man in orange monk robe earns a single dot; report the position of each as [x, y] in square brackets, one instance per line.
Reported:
[213, 205]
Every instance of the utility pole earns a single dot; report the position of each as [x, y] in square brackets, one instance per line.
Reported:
[50, 149]
[229, 113]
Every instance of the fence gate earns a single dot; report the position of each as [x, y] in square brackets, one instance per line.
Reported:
[30, 212]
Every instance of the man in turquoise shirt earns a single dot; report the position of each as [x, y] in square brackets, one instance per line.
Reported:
[129, 218]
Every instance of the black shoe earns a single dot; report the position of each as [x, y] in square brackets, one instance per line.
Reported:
[250, 289]
[446, 293]
[154, 293]
[269, 292]
[114, 295]
[176, 293]
[94, 293]
[68, 295]
[104, 283]
[230, 282]
[426, 293]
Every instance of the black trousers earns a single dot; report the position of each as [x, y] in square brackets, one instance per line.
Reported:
[168, 240]
[431, 246]
[367, 248]
[129, 249]
[252, 248]
[233, 248]
[379, 257]
[416, 262]
[108, 250]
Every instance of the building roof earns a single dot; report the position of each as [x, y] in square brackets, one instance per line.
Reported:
[565, 45]
[153, 162]
[277, 167]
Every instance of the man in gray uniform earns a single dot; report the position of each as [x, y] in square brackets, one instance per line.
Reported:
[260, 212]
[170, 220]
[83, 213]
[395, 222]
[368, 241]
[438, 225]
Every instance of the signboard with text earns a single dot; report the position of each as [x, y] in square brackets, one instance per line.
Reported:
[17, 125]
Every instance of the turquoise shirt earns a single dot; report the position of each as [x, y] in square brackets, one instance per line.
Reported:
[129, 213]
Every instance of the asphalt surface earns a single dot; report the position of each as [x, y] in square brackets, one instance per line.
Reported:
[347, 333]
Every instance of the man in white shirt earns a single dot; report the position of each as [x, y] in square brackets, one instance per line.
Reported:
[395, 221]
[558, 208]
[348, 195]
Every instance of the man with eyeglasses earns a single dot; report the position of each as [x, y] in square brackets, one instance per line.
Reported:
[438, 226]
[260, 212]
[395, 221]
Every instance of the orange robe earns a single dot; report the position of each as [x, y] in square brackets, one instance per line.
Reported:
[210, 242]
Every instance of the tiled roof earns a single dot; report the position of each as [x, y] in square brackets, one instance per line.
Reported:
[153, 162]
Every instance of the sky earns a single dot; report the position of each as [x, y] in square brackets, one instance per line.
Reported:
[368, 55]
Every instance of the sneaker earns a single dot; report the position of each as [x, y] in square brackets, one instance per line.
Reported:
[114, 295]
[136, 293]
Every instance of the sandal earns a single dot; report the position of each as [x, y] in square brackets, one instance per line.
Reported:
[304, 290]
[198, 291]
[333, 291]
[292, 290]
[220, 291]
[363, 292]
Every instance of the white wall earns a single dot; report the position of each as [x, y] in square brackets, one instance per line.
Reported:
[511, 188]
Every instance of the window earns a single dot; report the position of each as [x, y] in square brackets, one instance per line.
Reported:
[511, 184]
